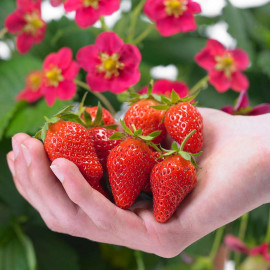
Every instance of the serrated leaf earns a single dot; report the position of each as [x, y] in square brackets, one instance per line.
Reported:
[126, 129]
[134, 128]
[154, 134]
[150, 88]
[73, 118]
[164, 99]
[161, 107]
[98, 116]
[138, 132]
[117, 136]
[174, 97]
[157, 97]
[175, 146]
[87, 118]
[185, 155]
[65, 110]
[113, 127]
[81, 106]
[197, 154]
[146, 138]
[194, 163]
[38, 135]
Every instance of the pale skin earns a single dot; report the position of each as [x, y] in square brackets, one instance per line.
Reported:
[234, 179]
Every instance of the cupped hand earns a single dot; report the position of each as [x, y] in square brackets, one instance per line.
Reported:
[234, 179]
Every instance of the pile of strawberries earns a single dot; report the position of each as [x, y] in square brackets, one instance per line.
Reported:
[135, 160]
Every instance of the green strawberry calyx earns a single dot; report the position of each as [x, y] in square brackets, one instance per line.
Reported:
[166, 102]
[137, 134]
[77, 115]
[180, 151]
[135, 97]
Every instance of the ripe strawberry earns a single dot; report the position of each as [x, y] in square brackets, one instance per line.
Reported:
[66, 139]
[106, 116]
[129, 167]
[102, 144]
[171, 180]
[180, 120]
[143, 116]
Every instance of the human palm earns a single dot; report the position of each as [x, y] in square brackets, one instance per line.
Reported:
[234, 179]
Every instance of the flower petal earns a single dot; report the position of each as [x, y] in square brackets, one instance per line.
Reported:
[109, 42]
[155, 10]
[228, 109]
[97, 82]
[215, 47]
[219, 80]
[86, 16]
[72, 5]
[205, 59]
[25, 42]
[260, 109]
[87, 58]
[235, 244]
[239, 82]
[165, 87]
[66, 90]
[108, 7]
[15, 22]
[241, 59]
[29, 95]
[194, 7]
[187, 22]
[61, 59]
[130, 55]
[49, 94]
[71, 72]
[242, 101]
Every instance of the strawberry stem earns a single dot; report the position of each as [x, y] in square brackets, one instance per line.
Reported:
[201, 84]
[185, 140]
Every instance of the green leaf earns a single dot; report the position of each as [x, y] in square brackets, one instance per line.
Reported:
[150, 88]
[154, 134]
[117, 136]
[12, 80]
[197, 154]
[175, 146]
[166, 100]
[161, 107]
[138, 132]
[87, 118]
[174, 97]
[113, 127]
[185, 155]
[126, 129]
[98, 117]
[194, 163]
[146, 138]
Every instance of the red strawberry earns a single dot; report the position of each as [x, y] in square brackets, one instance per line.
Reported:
[143, 116]
[180, 120]
[171, 181]
[129, 167]
[65, 139]
[102, 144]
[106, 116]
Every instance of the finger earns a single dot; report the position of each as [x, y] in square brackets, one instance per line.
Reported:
[106, 216]
[10, 162]
[45, 184]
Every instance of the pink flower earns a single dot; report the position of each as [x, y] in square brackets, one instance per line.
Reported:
[235, 244]
[27, 24]
[111, 64]
[32, 92]
[224, 66]
[165, 87]
[59, 74]
[242, 107]
[56, 3]
[172, 16]
[89, 11]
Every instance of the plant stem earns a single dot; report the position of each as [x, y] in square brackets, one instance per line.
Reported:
[103, 24]
[3, 32]
[241, 236]
[101, 97]
[200, 84]
[267, 236]
[134, 18]
[139, 260]
[216, 244]
[144, 34]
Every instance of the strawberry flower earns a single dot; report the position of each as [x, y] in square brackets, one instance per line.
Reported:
[165, 87]
[224, 66]
[27, 24]
[59, 73]
[89, 11]
[111, 64]
[32, 92]
[172, 16]
[242, 107]
[56, 3]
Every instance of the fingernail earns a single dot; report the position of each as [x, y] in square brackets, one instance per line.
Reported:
[15, 147]
[26, 154]
[11, 166]
[58, 173]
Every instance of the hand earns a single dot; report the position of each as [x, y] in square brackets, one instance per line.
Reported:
[234, 179]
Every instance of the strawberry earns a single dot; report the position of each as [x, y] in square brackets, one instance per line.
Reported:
[66, 139]
[102, 144]
[129, 165]
[180, 119]
[171, 181]
[143, 116]
[106, 116]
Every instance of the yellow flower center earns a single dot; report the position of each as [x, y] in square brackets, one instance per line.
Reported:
[33, 22]
[110, 65]
[54, 76]
[90, 3]
[225, 63]
[35, 81]
[175, 7]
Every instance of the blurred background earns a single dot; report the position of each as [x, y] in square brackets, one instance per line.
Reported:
[24, 238]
